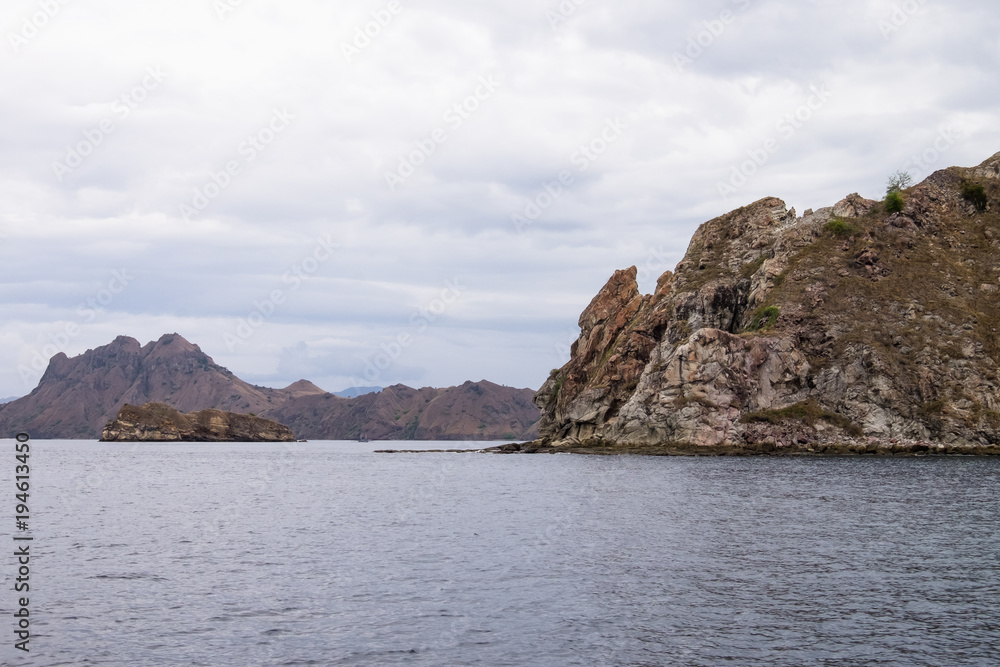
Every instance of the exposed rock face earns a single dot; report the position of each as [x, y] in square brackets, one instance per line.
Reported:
[77, 397]
[848, 327]
[158, 422]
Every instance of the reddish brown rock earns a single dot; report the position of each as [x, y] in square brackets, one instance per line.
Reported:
[158, 422]
[77, 397]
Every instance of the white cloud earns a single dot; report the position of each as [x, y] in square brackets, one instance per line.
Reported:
[223, 78]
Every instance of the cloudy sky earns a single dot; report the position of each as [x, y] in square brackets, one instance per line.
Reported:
[371, 192]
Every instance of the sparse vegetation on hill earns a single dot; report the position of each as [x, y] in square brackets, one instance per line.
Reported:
[78, 396]
[800, 331]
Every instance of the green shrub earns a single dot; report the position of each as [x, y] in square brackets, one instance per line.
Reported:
[765, 318]
[893, 202]
[841, 228]
[975, 195]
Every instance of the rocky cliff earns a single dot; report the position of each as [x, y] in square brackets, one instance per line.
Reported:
[850, 328]
[158, 422]
[77, 396]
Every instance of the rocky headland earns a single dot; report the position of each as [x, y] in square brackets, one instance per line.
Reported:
[158, 422]
[850, 329]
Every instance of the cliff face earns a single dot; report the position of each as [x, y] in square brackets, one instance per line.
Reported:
[77, 397]
[847, 327]
[158, 422]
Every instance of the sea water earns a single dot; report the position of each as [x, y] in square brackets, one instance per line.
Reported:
[327, 553]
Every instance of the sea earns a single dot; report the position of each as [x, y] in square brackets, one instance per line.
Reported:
[328, 553]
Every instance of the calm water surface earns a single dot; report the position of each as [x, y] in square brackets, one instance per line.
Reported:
[325, 553]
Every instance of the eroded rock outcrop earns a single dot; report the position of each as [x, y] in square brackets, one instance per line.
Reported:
[158, 422]
[847, 329]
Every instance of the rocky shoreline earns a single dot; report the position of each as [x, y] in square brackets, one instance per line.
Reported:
[859, 447]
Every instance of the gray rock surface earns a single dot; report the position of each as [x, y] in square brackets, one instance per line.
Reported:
[848, 329]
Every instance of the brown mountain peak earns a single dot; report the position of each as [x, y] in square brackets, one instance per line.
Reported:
[302, 388]
[79, 395]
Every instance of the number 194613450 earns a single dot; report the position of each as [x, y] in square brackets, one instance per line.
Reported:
[22, 483]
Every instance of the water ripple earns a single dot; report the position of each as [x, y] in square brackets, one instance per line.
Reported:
[327, 554]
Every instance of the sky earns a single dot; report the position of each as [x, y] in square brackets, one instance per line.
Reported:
[374, 192]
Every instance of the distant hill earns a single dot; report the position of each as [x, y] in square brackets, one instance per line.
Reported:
[8, 399]
[472, 411]
[78, 396]
[354, 392]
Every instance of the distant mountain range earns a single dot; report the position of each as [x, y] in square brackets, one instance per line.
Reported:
[354, 392]
[8, 399]
[77, 396]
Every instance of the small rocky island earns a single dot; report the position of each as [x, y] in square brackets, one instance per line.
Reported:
[158, 422]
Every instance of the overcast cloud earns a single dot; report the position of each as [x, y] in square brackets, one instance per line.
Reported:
[438, 200]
